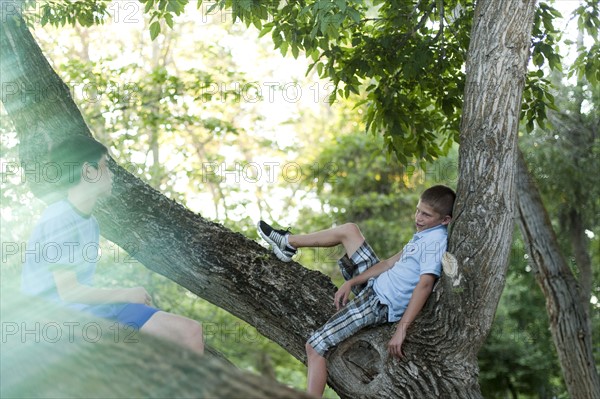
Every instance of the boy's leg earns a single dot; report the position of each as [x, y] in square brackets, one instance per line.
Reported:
[186, 332]
[317, 372]
[349, 235]
[364, 310]
[358, 262]
[284, 244]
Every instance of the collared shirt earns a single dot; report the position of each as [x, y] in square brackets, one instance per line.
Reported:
[421, 255]
[62, 238]
[65, 239]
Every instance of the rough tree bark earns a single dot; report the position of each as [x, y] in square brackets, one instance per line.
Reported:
[569, 322]
[286, 302]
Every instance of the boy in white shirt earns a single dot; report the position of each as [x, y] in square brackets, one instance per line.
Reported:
[386, 291]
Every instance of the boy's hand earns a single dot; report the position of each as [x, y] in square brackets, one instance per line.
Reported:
[395, 344]
[341, 296]
[138, 295]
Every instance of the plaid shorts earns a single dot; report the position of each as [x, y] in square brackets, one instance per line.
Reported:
[361, 260]
[364, 310]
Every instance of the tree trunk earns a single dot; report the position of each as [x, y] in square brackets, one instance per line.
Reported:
[287, 302]
[568, 319]
[451, 332]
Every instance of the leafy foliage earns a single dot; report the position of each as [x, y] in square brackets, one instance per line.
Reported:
[60, 13]
[409, 58]
[413, 100]
[587, 63]
[404, 58]
[564, 153]
[162, 10]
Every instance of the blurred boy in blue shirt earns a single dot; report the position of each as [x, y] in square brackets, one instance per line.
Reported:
[63, 250]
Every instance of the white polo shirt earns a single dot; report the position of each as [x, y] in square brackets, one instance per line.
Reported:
[422, 255]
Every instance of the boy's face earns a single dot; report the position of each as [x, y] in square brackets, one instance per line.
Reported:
[426, 217]
[101, 178]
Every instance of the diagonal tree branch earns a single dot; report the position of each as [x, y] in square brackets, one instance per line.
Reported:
[223, 267]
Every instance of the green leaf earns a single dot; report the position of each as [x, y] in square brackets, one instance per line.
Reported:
[149, 4]
[277, 39]
[333, 32]
[284, 47]
[314, 31]
[324, 26]
[86, 20]
[265, 29]
[529, 126]
[213, 7]
[154, 30]
[355, 15]
[554, 62]
[169, 20]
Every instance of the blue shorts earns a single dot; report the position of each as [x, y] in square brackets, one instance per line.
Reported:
[128, 314]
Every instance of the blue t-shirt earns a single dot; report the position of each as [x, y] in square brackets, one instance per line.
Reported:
[63, 238]
[422, 255]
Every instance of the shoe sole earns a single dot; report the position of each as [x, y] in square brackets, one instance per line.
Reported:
[274, 247]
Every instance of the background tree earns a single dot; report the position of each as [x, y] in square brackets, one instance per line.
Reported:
[549, 262]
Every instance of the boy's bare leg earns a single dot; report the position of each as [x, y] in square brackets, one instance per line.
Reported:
[349, 235]
[317, 372]
[179, 329]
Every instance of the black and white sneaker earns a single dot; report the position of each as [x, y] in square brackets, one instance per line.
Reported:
[277, 240]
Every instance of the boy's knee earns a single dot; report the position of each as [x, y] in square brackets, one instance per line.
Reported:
[195, 339]
[351, 230]
[310, 351]
[194, 328]
[185, 328]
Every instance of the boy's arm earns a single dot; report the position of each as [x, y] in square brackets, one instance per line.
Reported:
[416, 303]
[341, 296]
[71, 290]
